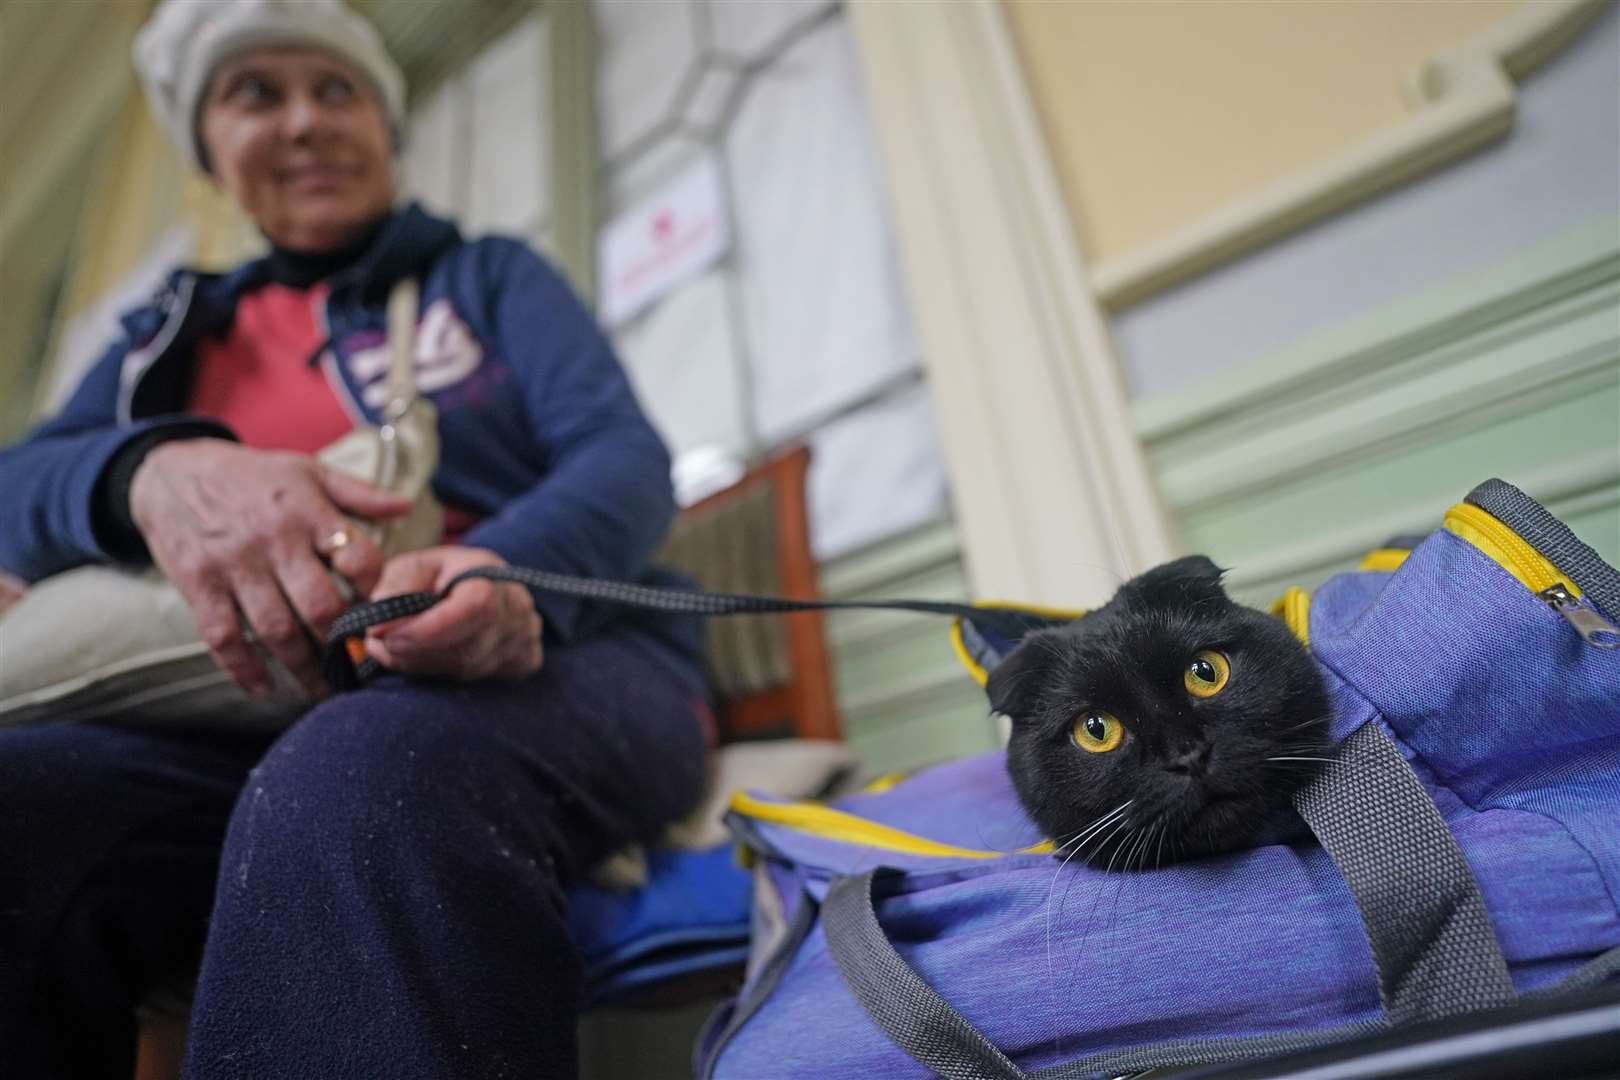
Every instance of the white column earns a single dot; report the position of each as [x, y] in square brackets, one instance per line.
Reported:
[1053, 498]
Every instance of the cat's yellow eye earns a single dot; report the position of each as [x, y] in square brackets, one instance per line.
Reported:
[1097, 731]
[1206, 674]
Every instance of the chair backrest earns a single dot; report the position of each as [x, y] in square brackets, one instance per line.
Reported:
[771, 672]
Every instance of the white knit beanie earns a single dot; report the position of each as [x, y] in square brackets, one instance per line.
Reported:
[184, 40]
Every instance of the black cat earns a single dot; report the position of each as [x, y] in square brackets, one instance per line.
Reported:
[1167, 724]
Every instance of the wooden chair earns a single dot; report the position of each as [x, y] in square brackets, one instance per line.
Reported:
[771, 673]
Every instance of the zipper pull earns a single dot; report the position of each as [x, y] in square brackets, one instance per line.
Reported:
[1594, 628]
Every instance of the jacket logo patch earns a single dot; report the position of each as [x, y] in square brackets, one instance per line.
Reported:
[446, 353]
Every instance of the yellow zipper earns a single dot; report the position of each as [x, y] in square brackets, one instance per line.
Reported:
[1384, 559]
[1294, 608]
[830, 824]
[1535, 572]
[884, 783]
[1508, 549]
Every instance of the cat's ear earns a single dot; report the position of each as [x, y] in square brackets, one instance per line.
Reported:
[1185, 581]
[1012, 683]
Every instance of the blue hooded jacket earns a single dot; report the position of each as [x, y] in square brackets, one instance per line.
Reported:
[541, 434]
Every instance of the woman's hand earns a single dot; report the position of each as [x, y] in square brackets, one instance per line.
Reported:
[482, 630]
[242, 533]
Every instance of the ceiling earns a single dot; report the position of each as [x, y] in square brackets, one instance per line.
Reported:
[65, 72]
[54, 55]
[430, 39]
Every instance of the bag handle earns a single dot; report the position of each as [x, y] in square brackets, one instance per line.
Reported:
[1432, 941]
[904, 1007]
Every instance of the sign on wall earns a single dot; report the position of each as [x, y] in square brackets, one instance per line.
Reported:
[674, 235]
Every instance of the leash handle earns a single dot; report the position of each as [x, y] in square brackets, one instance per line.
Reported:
[346, 666]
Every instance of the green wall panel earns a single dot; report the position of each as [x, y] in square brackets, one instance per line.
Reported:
[946, 731]
[905, 700]
[1566, 446]
[1288, 468]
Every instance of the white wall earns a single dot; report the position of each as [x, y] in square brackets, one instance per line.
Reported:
[475, 149]
[801, 331]
[1559, 167]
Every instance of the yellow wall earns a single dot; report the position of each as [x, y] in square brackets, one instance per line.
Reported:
[88, 182]
[55, 102]
[1159, 112]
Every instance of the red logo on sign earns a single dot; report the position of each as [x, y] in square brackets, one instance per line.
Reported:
[663, 226]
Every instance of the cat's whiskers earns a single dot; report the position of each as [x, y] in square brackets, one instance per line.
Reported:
[1158, 830]
[1282, 758]
[1139, 852]
[1091, 829]
[1057, 847]
[1106, 840]
[1133, 840]
[1117, 849]
[1102, 844]
[1079, 841]
[1059, 871]
[1096, 832]
[1136, 849]
[1077, 834]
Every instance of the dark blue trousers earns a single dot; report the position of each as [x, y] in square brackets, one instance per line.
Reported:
[390, 873]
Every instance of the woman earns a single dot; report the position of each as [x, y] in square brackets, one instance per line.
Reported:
[390, 871]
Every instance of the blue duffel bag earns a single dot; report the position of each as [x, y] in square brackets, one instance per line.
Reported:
[1466, 856]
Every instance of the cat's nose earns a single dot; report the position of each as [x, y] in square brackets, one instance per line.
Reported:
[1190, 761]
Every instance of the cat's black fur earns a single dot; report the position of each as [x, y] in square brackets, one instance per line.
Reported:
[1195, 770]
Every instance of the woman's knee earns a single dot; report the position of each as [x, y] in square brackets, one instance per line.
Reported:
[341, 761]
[367, 773]
[381, 744]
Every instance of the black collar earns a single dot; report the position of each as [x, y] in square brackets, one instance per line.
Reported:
[301, 269]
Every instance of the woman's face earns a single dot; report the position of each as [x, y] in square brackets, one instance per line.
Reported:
[299, 139]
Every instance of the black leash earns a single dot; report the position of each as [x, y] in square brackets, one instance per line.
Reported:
[346, 665]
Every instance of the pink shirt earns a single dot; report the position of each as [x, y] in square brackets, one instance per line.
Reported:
[258, 380]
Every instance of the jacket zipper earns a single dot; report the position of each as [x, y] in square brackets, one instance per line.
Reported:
[139, 363]
[1538, 574]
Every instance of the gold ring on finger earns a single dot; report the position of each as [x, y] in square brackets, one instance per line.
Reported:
[334, 542]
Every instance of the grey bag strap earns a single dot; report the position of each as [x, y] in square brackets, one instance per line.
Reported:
[404, 300]
[908, 1011]
[1432, 941]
